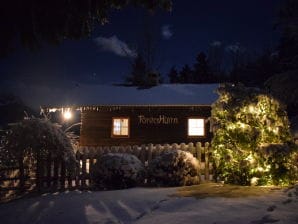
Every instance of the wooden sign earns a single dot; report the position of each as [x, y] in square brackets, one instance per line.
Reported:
[161, 119]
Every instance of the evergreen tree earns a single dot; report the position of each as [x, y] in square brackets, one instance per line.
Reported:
[153, 78]
[145, 68]
[283, 86]
[288, 47]
[141, 75]
[216, 58]
[201, 71]
[251, 139]
[255, 73]
[186, 75]
[173, 75]
[138, 73]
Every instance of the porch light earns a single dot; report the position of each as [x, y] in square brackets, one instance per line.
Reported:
[67, 115]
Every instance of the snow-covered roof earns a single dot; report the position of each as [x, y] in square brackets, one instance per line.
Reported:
[87, 95]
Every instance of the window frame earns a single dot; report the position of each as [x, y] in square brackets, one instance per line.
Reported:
[128, 128]
[204, 128]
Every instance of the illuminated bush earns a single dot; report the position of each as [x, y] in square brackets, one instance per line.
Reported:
[252, 141]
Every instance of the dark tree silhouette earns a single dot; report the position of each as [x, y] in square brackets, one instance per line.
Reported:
[141, 76]
[173, 75]
[186, 74]
[216, 58]
[138, 73]
[283, 84]
[148, 60]
[288, 47]
[201, 70]
[256, 72]
[284, 87]
[12, 109]
[34, 22]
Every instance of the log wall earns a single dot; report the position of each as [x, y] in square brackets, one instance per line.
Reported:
[169, 124]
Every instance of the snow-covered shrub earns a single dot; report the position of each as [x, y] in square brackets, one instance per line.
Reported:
[244, 120]
[37, 139]
[173, 168]
[117, 171]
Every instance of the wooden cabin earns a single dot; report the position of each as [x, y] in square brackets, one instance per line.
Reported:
[143, 124]
[167, 117]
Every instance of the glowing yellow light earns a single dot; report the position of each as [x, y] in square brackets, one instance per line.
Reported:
[254, 181]
[242, 125]
[251, 109]
[268, 167]
[260, 169]
[231, 126]
[67, 115]
[250, 158]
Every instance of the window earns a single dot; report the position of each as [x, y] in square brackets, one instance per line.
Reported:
[196, 127]
[120, 127]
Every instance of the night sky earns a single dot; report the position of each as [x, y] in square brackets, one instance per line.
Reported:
[180, 35]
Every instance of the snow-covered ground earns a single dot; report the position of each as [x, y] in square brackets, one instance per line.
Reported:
[150, 206]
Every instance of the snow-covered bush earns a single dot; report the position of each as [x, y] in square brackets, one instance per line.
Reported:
[173, 168]
[117, 171]
[244, 120]
[36, 139]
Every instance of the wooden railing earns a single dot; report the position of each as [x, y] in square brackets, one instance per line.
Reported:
[53, 174]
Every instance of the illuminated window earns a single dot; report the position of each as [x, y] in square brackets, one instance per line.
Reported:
[120, 127]
[196, 127]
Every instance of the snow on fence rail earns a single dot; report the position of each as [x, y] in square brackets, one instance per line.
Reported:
[54, 174]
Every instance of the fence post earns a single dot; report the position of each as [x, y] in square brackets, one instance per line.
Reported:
[174, 146]
[37, 171]
[106, 149]
[22, 174]
[191, 148]
[128, 149]
[199, 157]
[143, 154]
[157, 151]
[77, 169]
[167, 147]
[69, 178]
[83, 157]
[56, 172]
[63, 174]
[150, 150]
[92, 155]
[49, 170]
[207, 178]
[183, 147]
[135, 150]
[114, 149]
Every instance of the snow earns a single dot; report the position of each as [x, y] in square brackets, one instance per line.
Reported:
[87, 94]
[149, 205]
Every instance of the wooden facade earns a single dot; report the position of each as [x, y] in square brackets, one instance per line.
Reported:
[157, 124]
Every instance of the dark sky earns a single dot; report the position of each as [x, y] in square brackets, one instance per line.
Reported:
[180, 35]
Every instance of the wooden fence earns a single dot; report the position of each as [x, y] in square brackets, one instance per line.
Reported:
[52, 174]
